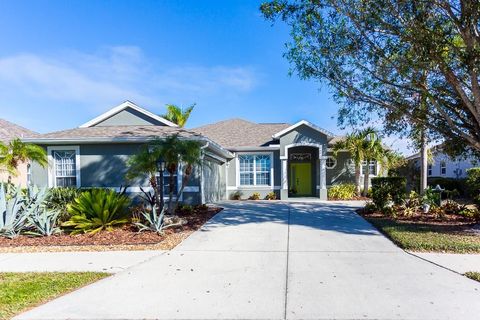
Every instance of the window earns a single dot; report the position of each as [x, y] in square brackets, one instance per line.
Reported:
[29, 174]
[254, 169]
[166, 183]
[331, 162]
[443, 168]
[372, 167]
[65, 168]
[429, 170]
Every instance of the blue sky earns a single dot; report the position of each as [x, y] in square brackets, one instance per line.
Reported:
[65, 62]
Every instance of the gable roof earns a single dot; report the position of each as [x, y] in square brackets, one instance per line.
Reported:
[120, 108]
[300, 123]
[10, 131]
[240, 133]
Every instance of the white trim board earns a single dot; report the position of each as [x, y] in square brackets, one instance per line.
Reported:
[121, 107]
[302, 122]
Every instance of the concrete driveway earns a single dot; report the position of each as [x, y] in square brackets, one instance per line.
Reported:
[273, 260]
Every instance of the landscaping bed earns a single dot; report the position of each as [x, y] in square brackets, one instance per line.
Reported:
[473, 275]
[428, 233]
[22, 291]
[126, 237]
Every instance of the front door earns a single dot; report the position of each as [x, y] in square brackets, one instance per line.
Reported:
[301, 179]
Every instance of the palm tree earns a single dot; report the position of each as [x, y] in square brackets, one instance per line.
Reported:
[145, 163]
[17, 152]
[354, 144]
[191, 155]
[373, 150]
[178, 115]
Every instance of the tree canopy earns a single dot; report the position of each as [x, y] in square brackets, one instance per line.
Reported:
[413, 63]
[178, 115]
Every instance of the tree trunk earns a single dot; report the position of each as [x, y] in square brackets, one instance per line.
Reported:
[186, 177]
[423, 163]
[153, 183]
[357, 180]
[171, 181]
[366, 177]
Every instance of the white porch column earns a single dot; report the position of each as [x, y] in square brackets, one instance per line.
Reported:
[284, 187]
[323, 178]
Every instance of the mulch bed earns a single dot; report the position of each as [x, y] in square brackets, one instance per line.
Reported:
[447, 219]
[125, 238]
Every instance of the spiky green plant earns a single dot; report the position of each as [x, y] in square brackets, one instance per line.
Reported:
[153, 221]
[96, 210]
[12, 216]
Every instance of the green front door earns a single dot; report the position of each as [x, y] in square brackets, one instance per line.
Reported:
[301, 179]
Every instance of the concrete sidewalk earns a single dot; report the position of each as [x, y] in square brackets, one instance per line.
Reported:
[106, 261]
[272, 260]
[460, 263]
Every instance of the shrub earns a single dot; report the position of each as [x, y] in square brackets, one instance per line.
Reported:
[369, 208]
[96, 210]
[470, 213]
[237, 195]
[386, 189]
[254, 196]
[185, 209]
[271, 196]
[473, 184]
[448, 184]
[343, 191]
[58, 200]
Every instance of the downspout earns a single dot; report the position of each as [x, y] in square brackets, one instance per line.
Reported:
[202, 176]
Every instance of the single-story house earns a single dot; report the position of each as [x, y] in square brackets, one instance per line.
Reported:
[8, 132]
[291, 160]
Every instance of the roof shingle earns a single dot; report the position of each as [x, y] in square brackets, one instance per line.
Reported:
[235, 133]
[10, 131]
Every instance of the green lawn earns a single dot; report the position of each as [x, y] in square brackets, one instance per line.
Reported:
[21, 291]
[473, 275]
[427, 237]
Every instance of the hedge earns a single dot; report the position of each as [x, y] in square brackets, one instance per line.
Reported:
[449, 184]
[388, 188]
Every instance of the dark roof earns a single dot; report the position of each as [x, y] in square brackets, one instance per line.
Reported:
[116, 132]
[238, 133]
[10, 131]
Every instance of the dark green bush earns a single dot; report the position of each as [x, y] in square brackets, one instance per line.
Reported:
[473, 184]
[385, 189]
[449, 184]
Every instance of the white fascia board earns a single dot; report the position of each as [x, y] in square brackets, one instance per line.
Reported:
[269, 148]
[123, 106]
[302, 122]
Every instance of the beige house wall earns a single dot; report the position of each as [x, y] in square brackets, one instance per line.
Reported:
[20, 179]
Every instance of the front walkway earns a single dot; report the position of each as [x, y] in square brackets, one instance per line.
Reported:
[273, 260]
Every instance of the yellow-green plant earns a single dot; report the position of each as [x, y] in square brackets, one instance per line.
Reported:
[97, 209]
[344, 191]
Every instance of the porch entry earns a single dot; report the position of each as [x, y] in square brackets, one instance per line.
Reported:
[301, 179]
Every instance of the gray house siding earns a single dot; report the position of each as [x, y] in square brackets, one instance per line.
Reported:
[303, 135]
[214, 180]
[343, 172]
[105, 166]
[129, 117]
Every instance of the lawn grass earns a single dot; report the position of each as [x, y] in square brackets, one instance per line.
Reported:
[473, 275]
[427, 237]
[21, 291]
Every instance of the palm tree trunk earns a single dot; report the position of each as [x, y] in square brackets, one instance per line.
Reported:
[153, 183]
[357, 180]
[366, 177]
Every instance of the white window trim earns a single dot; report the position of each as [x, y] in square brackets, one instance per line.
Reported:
[334, 159]
[254, 186]
[52, 181]
[377, 169]
[445, 166]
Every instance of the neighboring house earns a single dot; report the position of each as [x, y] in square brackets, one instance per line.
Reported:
[444, 166]
[239, 156]
[8, 132]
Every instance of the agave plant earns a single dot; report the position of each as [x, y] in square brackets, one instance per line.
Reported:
[40, 220]
[153, 221]
[96, 210]
[12, 216]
